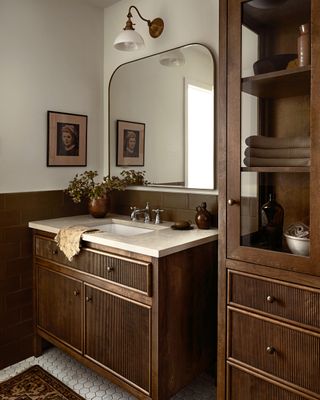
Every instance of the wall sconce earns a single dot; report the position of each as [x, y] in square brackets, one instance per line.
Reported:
[129, 39]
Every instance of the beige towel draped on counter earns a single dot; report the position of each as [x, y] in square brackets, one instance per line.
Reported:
[69, 238]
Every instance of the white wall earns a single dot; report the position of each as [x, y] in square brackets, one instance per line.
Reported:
[51, 58]
[186, 21]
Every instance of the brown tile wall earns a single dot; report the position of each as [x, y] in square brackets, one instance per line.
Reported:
[16, 315]
[176, 206]
[16, 210]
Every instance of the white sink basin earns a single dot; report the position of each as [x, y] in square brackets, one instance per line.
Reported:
[121, 229]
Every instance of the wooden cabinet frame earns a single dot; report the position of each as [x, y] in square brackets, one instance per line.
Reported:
[277, 266]
[180, 312]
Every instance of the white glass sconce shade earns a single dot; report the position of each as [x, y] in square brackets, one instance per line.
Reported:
[128, 40]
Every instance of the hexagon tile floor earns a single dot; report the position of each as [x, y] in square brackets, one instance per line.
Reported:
[92, 386]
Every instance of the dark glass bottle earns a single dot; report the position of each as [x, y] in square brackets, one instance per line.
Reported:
[272, 223]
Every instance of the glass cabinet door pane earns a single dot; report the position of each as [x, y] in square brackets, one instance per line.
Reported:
[275, 126]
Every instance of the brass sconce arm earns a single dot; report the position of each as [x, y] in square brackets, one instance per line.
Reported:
[155, 27]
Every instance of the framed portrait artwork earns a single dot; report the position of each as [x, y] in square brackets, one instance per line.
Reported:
[67, 139]
[130, 143]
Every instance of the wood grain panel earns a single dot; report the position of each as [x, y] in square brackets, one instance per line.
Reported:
[296, 355]
[59, 306]
[293, 302]
[118, 336]
[244, 386]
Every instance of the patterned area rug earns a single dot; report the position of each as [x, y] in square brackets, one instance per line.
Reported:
[36, 384]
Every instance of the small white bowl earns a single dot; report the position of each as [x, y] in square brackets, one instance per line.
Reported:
[300, 246]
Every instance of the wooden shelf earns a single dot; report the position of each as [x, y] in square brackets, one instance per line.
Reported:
[275, 169]
[278, 84]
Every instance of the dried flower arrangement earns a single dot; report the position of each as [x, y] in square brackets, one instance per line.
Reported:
[84, 186]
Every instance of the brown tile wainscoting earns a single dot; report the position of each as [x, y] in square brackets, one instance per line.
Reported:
[16, 210]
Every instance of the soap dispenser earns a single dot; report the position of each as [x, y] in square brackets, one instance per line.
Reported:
[203, 217]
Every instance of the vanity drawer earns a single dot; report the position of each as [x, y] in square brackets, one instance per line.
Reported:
[48, 249]
[278, 349]
[124, 271]
[289, 301]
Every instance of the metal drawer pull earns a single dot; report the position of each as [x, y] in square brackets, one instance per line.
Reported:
[231, 202]
[270, 299]
[271, 350]
[88, 299]
[55, 251]
[110, 269]
[76, 292]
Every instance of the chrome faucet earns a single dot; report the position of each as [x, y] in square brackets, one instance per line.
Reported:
[137, 211]
[157, 211]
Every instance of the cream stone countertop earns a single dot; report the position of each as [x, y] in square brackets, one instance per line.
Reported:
[159, 242]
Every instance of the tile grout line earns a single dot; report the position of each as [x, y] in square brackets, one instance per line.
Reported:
[91, 386]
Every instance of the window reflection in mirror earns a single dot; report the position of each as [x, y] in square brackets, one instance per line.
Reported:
[172, 93]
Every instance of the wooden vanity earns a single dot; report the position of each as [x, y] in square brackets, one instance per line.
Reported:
[146, 323]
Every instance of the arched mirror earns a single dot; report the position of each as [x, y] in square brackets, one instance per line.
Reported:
[164, 106]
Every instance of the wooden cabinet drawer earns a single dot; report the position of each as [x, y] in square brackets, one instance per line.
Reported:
[120, 270]
[244, 386]
[289, 301]
[288, 353]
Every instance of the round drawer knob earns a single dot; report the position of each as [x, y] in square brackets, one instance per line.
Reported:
[110, 269]
[88, 299]
[271, 350]
[231, 202]
[270, 299]
[55, 251]
[76, 292]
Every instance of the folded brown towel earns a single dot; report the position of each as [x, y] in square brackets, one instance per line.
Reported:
[294, 152]
[276, 162]
[68, 239]
[278, 143]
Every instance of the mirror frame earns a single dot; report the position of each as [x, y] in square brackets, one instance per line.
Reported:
[168, 188]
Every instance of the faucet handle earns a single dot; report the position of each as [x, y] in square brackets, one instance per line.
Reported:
[133, 215]
[157, 211]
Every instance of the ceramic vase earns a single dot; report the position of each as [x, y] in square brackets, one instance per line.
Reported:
[203, 217]
[304, 45]
[99, 207]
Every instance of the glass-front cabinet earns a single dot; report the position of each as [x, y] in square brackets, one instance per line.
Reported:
[269, 187]
[273, 134]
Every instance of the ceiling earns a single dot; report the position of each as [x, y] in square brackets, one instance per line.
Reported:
[101, 3]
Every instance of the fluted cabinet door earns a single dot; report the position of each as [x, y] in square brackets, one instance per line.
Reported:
[117, 335]
[59, 307]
